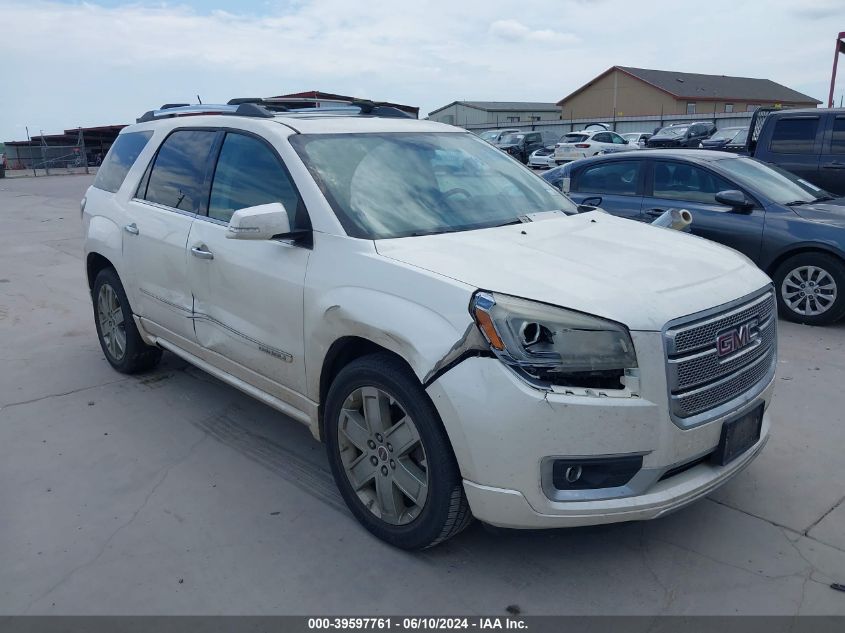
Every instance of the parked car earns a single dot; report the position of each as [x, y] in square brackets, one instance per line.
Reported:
[809, 143]
[542, 158]
[722, 138]
[791, 229]
[584, 143]
[495, 136]
[682, 135]
[460, 337]
[737, 144]
[521, 145]
[640, 138]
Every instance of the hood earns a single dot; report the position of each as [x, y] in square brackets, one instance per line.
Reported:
[832, 212]
[626, 271]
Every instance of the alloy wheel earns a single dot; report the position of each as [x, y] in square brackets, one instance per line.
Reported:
[110, 317]
[383, 456]
[809, 290]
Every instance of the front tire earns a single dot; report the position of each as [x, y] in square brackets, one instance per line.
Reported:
[119, 338]
[811, 288]
[390, 456]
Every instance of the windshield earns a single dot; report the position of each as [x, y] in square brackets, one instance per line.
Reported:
[490, 135]
[631, 137]
[725, 135]
[741, 137]
[779, 185]
[674, 131]
[400, 184]
[512, 139]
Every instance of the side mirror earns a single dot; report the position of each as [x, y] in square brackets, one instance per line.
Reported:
[261, 222]
[734, 199]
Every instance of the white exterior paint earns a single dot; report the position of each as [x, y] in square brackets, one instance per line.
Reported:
[411, 296]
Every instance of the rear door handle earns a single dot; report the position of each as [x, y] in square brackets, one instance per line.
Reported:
[202, 252]
[132, 229]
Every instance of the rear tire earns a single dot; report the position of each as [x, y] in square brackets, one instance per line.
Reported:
[390, 456]
[810, 288]
[119, 338]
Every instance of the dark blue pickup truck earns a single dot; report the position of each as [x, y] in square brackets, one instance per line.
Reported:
[809, 143]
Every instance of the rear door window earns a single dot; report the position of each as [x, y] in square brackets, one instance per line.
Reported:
[248, 174]
[837, 140]
[122, 155]
[681, 181]
[794, 135]
[618, 178]
[177, 178]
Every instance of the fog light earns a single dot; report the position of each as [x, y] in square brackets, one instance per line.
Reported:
[595, 472]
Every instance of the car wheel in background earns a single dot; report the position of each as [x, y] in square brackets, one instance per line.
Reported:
[811, 288]
[122, 344]
[390, 456]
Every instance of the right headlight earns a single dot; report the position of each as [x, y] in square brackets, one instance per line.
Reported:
[554, 345]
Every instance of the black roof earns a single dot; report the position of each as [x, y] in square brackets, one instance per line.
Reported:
[695, 85]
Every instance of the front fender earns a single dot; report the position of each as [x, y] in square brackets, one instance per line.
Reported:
[411, 330]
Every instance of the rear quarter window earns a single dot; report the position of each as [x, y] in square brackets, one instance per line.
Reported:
[794, 135]
[119, 160]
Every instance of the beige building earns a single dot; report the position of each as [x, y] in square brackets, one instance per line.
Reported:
[495, 113]
[638, 92]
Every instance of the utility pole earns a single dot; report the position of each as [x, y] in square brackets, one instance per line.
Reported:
[81, 141]
[29, 147]
[44, 153]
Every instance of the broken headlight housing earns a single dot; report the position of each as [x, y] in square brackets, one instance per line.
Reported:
[554, 345]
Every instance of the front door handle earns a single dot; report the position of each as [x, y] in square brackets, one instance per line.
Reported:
[202, 252]
[132, 229]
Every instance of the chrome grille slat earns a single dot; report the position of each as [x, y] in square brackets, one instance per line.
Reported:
[686, 338]
[710, 396]
[699, 381]
[706, 366]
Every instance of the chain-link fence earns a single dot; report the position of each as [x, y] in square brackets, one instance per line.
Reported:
[47, 159]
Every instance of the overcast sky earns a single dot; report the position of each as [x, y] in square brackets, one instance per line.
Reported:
[69, 64]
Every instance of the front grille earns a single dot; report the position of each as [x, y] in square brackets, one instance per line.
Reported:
[699, 379]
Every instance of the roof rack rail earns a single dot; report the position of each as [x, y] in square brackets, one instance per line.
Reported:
[269, 108]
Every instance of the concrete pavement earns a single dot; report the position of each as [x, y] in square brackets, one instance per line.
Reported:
[171, 493]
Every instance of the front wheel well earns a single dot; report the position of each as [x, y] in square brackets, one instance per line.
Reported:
[342, 352]
[93, 265]
[775, 264]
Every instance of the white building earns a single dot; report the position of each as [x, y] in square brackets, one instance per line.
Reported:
[495, 113]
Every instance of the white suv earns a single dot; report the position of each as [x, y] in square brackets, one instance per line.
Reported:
[460, 337]
[585, 143]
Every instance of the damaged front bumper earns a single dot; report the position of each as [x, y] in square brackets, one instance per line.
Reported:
[505, 433]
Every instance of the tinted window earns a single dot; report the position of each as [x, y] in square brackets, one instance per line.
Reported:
[602, 137]
[680, 181]
[120, 159]
[178, 174]
[574, 138]
[619, 178]
[776, 183]
[248, 174]
[618, 140]
[794, 136]
[837, 142]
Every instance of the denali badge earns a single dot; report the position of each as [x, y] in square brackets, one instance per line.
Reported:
[737, 338]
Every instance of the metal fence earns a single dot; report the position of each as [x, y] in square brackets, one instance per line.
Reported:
[623, 125]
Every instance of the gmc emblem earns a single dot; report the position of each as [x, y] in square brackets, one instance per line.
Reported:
[735, 339]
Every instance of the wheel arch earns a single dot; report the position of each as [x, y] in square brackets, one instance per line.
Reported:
[94, 263]
[822, 249]
[341, 352]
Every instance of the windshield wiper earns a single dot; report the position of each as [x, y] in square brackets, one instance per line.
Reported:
[796, 203]
[824, 198]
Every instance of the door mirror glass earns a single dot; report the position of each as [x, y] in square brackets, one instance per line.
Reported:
[262, 222]
[733, 198]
